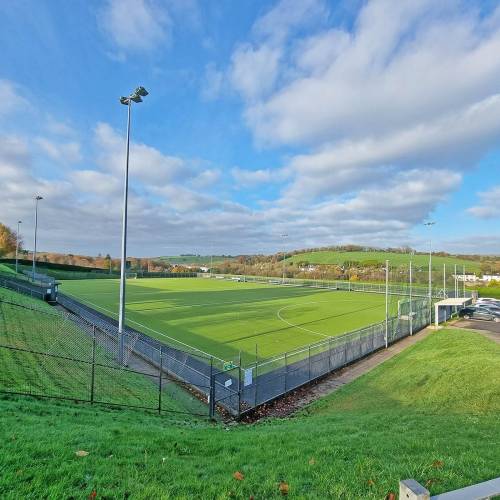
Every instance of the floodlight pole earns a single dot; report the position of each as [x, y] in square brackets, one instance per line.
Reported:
[284, 254]
[445, 295]
[463, 280]
[429, 225]
[386, 303]
[411, 304]
[123, 263]
[136, 96]
[37, 199]
[17, 243]
[456, 283]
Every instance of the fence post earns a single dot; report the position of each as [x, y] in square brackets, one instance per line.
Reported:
[92, 377]
[256, 378]
[239, 385]
[309, 361]
[160, 379]
[211, 397]
[286, 369]
[329, 355]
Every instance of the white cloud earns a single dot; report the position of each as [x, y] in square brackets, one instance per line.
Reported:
[12, 100]
[65, 153]
[136, 25]
[212, 82]
[245, 177]
[147, 164]
[393, 72]
[489, 204]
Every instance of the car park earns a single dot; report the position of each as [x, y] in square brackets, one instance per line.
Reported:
[483, 313]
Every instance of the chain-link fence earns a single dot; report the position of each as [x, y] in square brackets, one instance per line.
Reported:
[61, 355]
[104, 360]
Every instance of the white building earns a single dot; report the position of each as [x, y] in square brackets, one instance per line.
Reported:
[470, 278]
[491, 277]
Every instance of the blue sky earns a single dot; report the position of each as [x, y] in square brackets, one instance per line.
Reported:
[332, 122]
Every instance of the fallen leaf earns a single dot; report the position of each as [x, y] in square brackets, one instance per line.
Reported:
[283, 488]
[93, 495]
[81, 453]
[431, 481]
[437, 464]
[390, 496]
[371, 482]
[238, 476]
[312, 461]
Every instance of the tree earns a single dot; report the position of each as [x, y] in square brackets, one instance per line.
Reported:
[7, 240]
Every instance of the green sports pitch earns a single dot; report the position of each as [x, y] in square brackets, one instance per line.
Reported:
[223, 318]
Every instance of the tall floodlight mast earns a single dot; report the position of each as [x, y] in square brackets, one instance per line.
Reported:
[37, 199]
[429, 225]
[136, 97]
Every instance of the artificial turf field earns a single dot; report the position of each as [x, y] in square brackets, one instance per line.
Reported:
[222, 317]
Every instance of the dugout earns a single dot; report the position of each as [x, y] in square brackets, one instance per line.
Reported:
[444, 308]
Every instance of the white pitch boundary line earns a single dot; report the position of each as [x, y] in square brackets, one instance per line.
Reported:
[155, 331]
[297, 326]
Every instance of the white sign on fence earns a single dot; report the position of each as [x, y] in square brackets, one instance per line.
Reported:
[247, 377]
[228, 382]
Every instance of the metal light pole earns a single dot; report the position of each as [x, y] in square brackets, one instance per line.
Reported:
[386, 303]
[284, 236]
[37, 199]
[411, 298]
[445, 295]
[136, 97]
[17, 242]
[429, 225]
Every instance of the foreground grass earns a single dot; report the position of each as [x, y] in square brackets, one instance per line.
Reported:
[431, 413]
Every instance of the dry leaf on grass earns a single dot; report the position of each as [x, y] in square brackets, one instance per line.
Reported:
[283, 488]
[81, 453]
[390, 496]
[437, 464]
[238, 476]
[312, 461]
[93, 495]
[371, 482]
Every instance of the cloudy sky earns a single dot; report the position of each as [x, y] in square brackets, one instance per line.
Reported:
[333, 122]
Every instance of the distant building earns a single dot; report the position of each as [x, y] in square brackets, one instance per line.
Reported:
[468, 277]
[491, 277]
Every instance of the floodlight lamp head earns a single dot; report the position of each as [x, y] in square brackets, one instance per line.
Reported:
[136, 98]
[141, 91]
[38, 197]
[124, 100]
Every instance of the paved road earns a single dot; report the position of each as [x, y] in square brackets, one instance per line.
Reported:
[489, 328]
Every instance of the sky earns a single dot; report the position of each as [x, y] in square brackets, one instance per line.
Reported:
[330, 122]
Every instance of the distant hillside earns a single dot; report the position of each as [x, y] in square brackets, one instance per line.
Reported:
[379, 257]
[201, 260]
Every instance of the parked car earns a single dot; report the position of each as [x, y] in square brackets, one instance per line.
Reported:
[490, 306]
[483, 313]
[488, 300]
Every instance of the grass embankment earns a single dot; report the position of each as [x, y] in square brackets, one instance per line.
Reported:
[489, 291]
[5, 269]
[34, 326]
[395, 259]
[431, 413]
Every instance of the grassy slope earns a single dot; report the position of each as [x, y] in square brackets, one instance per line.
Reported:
[201, 260]
[396, 259]
[6, 269]
[223, 317]
[489, 291]
[357, 443]
[45, 331]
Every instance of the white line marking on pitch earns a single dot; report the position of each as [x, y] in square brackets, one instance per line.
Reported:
[297, 326]
[155, 331]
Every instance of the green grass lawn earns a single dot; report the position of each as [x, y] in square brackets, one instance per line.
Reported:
[67, 373]
[489, 291]
[395, 259]
[201, 260]
[430, 413]
[223, 318]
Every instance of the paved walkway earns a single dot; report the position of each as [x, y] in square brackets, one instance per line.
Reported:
[305, 395]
